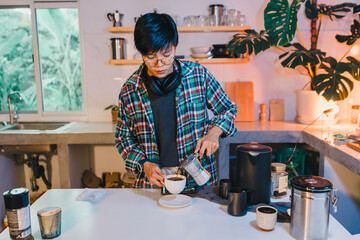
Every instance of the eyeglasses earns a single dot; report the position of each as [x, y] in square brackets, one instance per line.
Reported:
[166, 60]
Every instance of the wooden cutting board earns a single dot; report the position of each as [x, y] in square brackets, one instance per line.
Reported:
[242, 93]
[355, 146]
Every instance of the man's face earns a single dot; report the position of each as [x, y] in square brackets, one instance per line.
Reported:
[160, 64]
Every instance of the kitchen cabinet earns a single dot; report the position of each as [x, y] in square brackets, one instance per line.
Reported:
[183, 29]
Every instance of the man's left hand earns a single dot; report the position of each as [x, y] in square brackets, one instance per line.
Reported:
[209, 143]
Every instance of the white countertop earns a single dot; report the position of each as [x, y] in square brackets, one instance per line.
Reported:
[136, 214]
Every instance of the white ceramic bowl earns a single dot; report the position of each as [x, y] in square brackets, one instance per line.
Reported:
[200, 50]
[201, 55]
[175, 187]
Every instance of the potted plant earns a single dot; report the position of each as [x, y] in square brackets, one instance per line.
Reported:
[330, 78]
[114, 112]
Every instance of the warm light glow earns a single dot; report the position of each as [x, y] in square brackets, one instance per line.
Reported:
[355, 51]
[335, 109]
[332, 109]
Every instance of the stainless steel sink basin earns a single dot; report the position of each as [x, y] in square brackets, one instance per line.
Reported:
[42, 126]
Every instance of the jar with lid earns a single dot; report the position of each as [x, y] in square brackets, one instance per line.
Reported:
[355, 113]
[279, 180]
[17, 208]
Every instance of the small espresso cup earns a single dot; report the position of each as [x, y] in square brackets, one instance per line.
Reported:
[266, 217]
[225, 186]
[175, 183]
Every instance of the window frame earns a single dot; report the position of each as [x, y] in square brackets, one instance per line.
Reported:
[41, 115]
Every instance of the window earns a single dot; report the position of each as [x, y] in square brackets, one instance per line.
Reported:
[16, 58]
[59, 51]
[40, 58]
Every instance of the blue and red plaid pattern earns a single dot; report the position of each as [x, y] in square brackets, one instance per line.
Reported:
[198, 91]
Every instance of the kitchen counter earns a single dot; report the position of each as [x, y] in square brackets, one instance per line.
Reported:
[317, 136]
[267, 132]
[136, 214]
[72, 134]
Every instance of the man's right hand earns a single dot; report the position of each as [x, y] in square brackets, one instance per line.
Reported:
[154, 174]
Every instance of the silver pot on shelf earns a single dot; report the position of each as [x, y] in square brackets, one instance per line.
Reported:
[218, 10]
[117, 48]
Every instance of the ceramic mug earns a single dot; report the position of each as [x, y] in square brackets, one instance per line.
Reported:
[175, 183]
[266, 217]
[225, 187]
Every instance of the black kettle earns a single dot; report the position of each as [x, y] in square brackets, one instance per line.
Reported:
[253, 171]
[115, 18]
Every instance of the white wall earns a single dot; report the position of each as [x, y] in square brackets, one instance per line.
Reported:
[271, 80]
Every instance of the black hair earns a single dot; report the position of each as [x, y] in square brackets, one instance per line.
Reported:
[154, 32]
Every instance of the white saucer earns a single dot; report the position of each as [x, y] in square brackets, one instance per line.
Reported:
[175, 201]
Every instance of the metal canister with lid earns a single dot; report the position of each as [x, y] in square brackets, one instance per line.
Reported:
[17, 208]
[310, 206]
[117, 50]
[279, 180]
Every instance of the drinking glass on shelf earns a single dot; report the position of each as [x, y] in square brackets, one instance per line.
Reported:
[202, 20]
[224, 21]
[242, 20]
[211, 20]
[177, 19]
[233, 17]
[189, 21]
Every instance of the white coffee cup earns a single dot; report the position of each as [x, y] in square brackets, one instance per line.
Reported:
[175, 186]
[266, 217]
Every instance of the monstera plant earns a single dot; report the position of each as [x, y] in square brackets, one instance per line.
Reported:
[333, 79]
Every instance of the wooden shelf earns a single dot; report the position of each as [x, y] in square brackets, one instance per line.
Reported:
[197, 60]
[187, 29]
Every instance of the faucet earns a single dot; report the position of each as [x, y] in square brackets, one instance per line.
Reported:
[13, 115]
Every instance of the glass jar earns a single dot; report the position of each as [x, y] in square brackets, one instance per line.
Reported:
[279, 180]
[355, 113]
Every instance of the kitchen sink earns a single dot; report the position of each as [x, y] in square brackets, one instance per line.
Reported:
[41, 126]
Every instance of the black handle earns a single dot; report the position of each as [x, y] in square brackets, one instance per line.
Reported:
[109, 15]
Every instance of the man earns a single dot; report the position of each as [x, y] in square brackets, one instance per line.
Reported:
[163, 114]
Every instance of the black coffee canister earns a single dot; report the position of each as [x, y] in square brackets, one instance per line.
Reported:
[17, 208]
[253, 171]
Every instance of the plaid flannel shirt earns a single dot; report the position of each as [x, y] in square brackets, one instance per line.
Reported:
[198, 91]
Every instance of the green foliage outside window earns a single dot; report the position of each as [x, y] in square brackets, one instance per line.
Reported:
[59, 47]
[59, 53]
[16, 59]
